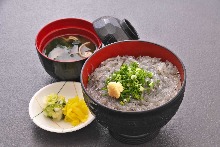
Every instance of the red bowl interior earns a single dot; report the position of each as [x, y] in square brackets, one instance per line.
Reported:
[67, 26]
[131, 48]
[69, 31]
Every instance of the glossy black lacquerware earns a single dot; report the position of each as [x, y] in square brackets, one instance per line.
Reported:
[133, 127]
[64, 70]
[111, 29]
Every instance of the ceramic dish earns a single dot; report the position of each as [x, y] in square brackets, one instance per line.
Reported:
[68, 90]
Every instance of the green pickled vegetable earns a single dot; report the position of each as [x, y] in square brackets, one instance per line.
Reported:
[54, 105]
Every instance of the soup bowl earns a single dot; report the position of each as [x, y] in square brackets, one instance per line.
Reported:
[64, 70]
[133, 127]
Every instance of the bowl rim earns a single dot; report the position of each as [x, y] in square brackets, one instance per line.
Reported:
[165, 105]
[55, 30]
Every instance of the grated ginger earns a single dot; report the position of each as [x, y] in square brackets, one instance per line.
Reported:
[115, 89]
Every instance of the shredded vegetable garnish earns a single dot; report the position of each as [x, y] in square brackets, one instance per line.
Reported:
[54, 105]
[76, 111]
[133, 80]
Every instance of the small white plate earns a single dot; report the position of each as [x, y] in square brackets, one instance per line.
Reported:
[66, 89]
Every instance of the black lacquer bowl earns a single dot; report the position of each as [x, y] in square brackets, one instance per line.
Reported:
[133, 127]
[64, 70]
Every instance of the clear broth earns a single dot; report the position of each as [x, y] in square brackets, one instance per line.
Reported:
[69, 48]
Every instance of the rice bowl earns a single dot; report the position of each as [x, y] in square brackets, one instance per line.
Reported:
[132, 127]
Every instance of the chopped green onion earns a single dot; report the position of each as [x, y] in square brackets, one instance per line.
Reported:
[134, 82]
[151, 85]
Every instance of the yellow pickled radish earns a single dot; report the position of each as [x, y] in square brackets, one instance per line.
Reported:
[76, 111]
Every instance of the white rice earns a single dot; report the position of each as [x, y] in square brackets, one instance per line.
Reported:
[166, 72]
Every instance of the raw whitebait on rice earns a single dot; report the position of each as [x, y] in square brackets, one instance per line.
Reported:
[161, 83]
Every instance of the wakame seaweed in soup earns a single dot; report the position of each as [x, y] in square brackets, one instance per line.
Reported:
[69, 48]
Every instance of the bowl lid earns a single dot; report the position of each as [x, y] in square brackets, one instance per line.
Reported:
[111, 29]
